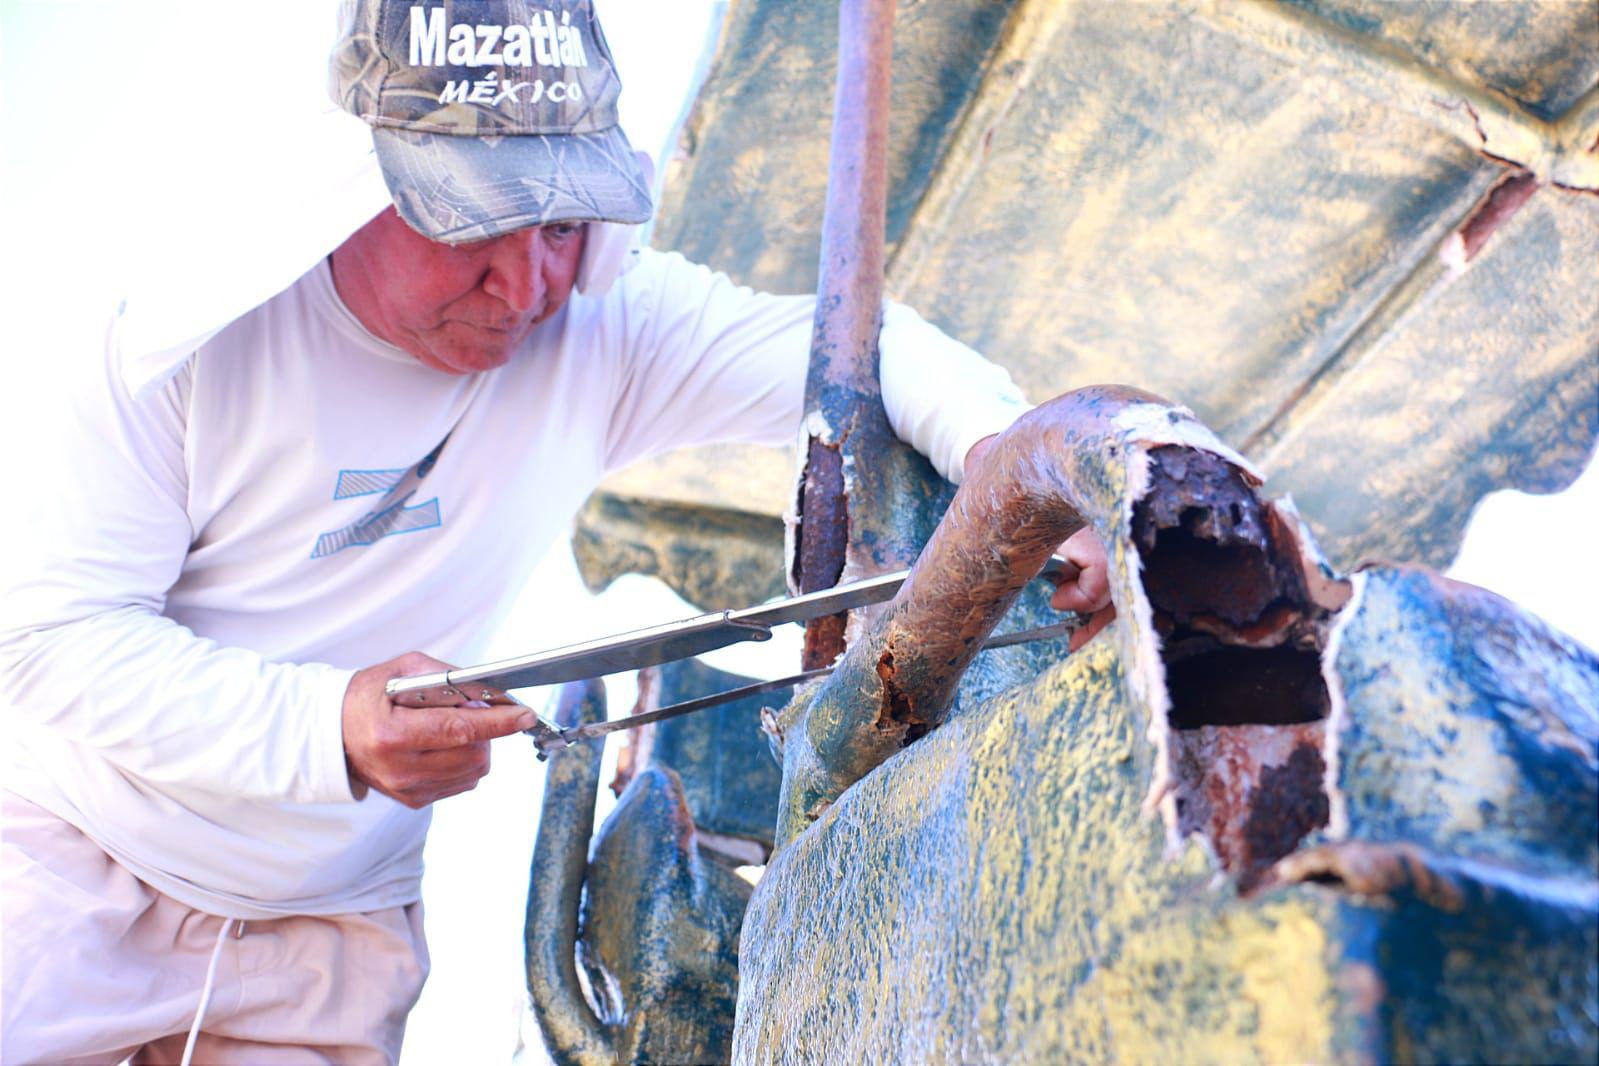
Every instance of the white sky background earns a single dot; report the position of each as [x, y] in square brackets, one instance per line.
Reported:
[117, 165]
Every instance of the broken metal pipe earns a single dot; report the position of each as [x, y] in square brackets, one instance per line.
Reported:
[1223, 616]
[1039, 482]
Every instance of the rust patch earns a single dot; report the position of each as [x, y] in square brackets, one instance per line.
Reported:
[1253, 791]
[1502, 201]
[820, 543]
[897, 716]
[1287, 805]
[1203, 538]
[635, 752]
[1370, 869]
[1241, 641]
[824, 641]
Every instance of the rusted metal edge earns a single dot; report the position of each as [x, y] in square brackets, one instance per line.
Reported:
[1224, 612]
[898, 679]
[821, 541]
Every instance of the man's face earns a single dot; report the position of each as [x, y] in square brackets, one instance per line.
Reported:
[459, 308]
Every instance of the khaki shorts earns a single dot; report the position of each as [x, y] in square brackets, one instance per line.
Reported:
[98, 966]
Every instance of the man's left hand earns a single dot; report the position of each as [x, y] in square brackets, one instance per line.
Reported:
[1084, 585]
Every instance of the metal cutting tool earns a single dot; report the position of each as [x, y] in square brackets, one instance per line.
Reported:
[665, 643]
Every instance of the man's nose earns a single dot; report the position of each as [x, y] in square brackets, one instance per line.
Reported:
[516, 271]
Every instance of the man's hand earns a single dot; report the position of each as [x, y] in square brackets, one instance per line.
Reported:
[1084, 585]
[417, 755]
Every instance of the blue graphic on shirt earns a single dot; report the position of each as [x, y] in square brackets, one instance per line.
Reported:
[374, 526]
[365, 482]
[392, 515]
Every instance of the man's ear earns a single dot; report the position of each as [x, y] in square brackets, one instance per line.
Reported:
[610, 248]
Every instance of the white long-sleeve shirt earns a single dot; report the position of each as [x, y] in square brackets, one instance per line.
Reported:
[192, 600]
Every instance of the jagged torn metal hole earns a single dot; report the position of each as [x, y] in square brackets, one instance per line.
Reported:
[1241, 643]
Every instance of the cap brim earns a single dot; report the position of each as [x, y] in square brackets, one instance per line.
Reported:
[464, 188]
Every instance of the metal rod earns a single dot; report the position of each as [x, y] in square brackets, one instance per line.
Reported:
[566, 737]
[676, 710]
[849, 297]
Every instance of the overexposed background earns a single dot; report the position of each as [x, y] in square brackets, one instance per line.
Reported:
[132, 154]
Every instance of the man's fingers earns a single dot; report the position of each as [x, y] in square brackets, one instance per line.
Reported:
[456, 786]
[1065, 573]
[421, 796]
[1095, 584]
[1089, 593]
[444, 763]
[1097, 621]
[418, 778]
[1076, 598]
[433, 728]
[1088, 589]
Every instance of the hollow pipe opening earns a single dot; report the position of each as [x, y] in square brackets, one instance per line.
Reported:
[1241, 645]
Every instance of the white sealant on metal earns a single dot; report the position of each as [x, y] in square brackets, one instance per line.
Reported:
[1144, 672]
[1152, 425]
[1147, 426]
[814, 424]
[1338, 711]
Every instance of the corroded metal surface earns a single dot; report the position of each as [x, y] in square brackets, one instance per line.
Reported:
[720, 756]
[1468, 724]
[765, 112]
[844, 417]
[1405, 831]
[898, 679]
[660, 929]
[996, 893]
[716, 558]
[1277, 813]
[1267, 240]
[572, 1034]
[653, 914]
[1490, 381]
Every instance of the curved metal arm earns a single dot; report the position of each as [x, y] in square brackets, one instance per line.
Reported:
[560, 855]
[1062, 466]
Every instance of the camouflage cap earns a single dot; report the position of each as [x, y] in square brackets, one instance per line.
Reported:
[489, 115]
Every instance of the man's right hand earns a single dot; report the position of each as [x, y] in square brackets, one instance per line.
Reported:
[417, 755]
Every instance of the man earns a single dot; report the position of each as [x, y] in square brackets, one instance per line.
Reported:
[214, 817]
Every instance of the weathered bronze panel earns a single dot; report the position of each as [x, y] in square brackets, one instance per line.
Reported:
[714, 557]
[997, 890]
[1488, 382]
[1278, 813]
[1243, 205]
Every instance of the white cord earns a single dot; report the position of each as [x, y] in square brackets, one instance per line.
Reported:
[205, 994]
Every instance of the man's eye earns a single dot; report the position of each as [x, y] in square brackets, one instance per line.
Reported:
[562, 231]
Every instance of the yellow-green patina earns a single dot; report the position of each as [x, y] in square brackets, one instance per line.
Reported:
[998, 892]
[715, 557]
[1246, 206]
[1259, 210]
